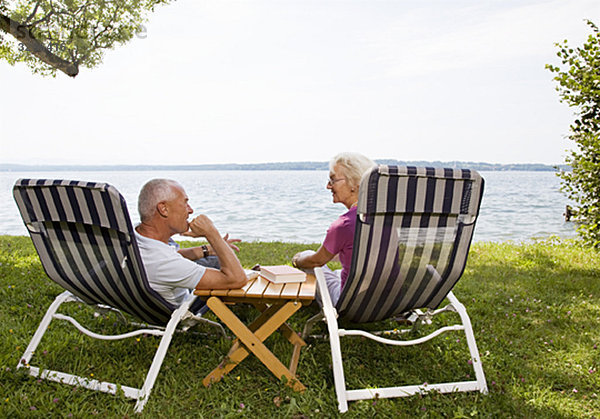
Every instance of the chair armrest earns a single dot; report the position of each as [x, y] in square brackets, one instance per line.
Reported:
[329, 310]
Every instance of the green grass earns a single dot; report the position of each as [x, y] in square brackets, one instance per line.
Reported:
[535, 310]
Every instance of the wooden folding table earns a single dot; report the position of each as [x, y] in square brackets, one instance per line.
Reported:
[277, 303]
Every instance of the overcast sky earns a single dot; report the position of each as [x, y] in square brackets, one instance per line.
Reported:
[277, 80]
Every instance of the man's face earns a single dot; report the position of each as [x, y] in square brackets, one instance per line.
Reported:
[178, 211]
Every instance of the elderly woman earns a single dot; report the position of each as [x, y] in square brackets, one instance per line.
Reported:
[345, 172]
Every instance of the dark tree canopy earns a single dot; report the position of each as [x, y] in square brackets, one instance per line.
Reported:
[51, 35]
[579, 86]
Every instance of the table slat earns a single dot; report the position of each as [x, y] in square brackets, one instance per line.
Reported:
[273, 290]
[240, 292]
[235, 292]
[291, 290]
[219, 293]
[257, 289]
[308, 289]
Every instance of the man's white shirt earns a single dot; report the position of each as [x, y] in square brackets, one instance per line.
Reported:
[169, 273]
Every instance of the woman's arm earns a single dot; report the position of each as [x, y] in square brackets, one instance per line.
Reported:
[320, 258]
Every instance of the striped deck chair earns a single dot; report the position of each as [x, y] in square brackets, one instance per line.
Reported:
[86, 243]
[413, 231]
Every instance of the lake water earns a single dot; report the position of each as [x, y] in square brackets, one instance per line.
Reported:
[295, 206]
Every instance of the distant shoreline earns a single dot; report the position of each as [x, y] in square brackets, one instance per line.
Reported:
[279, 166]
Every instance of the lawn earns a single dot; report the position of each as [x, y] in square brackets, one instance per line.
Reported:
[535, 310]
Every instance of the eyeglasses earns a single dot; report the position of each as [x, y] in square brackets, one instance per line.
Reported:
[331, 181]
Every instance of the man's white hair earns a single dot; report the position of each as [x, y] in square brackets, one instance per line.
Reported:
[153, 192]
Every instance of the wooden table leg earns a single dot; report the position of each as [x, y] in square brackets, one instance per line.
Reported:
[291, 336]
[266, 313]
[253, 342]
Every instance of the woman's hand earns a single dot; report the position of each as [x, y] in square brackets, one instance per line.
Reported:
[308, 260]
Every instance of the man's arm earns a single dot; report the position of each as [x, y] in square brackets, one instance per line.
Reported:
[191, 253]
[231, 274]
[194, 253]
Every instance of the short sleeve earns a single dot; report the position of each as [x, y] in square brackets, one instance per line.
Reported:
[180, 272]
[339, 234]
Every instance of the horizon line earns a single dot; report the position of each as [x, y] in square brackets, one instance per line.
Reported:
[305, 165]
[381, 161]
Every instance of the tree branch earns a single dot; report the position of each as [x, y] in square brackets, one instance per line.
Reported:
[23, 34]
[44, 19]
[37, 4]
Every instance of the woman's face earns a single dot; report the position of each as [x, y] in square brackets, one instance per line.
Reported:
[340, 189]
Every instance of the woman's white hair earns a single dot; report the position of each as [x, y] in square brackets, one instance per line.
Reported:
[153, 192]
[353, 165]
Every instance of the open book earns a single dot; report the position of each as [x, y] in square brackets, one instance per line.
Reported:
[282, 273]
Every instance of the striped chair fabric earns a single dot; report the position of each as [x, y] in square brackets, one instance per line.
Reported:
[86, 242]
[412, 237]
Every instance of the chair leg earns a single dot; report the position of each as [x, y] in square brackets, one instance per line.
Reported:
[336, 350]
[161, 352]
[338, 366]
[189, 320]
[41, 330]
[310, 324]
[468, 329]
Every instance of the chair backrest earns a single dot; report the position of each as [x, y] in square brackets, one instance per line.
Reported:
[86, 243]
[413, 231]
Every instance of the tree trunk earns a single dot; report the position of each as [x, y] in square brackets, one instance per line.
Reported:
[22, 34]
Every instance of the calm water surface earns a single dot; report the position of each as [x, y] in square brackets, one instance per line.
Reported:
[295, 206]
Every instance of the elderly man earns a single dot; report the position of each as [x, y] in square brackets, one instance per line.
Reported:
[164, 210]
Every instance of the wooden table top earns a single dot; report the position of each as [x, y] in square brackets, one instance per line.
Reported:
[263, 290]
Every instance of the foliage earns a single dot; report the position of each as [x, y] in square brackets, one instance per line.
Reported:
[51, 35]
[534, 307]
[579, 87]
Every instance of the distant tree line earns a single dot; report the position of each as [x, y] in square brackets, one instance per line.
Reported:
[307, 165]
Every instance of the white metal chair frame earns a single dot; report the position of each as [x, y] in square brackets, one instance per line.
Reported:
[181, 314]
[329, 315]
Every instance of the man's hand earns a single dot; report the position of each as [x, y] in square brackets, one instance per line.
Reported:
[231, 274]
[231, 241]
[201, 226]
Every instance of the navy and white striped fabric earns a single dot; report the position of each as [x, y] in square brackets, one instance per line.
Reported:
[412, 237]
[86, 242]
